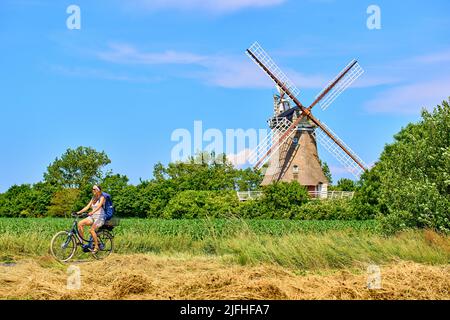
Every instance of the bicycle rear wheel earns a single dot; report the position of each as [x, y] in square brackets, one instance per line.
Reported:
[63, 246]
[105, 242]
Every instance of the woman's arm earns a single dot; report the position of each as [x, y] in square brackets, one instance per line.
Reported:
[102, 202]
[85, 208]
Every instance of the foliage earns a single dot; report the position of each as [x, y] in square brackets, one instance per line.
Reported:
[206, 171]
[279, 200]
[114, 184]
[42, 194]
[125, 203]
[410, 185]
[63, 202]
[16, 200]
[326, 171]
[199, 204]
[77, 168]
[26, 200]
[248, 179]
[344, 184]
[326, 210]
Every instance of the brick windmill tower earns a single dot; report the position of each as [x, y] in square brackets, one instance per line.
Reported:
[291, 146]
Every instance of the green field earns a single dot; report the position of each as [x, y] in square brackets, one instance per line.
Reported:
[290, 243]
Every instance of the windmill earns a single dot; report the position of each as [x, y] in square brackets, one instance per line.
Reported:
[291, 146]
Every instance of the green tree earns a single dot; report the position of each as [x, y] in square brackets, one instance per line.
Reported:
[326, 171]
[205, 171]
[77, 168]
[281, 199]
[16, 201]
[114, 184]
[366, 202]
[42, 194]
[26, 200]
[154, 197]
[200, 204]
[248, 179]
[345, 184]
[63, 202]
[411, 181]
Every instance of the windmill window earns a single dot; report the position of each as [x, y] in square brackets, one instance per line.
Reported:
[295, 141]
[295, 169]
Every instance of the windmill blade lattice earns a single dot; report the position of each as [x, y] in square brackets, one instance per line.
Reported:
[270, 144]
[265, 59]
[338, 152]
[351, 75]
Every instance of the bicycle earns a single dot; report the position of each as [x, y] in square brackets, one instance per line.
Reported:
[65, 243]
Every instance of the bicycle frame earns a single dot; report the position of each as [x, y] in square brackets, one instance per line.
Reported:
[74, 232]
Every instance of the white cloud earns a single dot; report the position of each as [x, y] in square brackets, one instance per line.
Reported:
[217, 70]
[232, 71]
[425, 84]
[124, 53]
[239, 159]
[436, 57]
[100, 74]
[370, 80]
[338, 170]
[411, 98]
[214, 6]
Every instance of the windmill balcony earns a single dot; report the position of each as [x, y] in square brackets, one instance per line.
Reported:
[278, 122]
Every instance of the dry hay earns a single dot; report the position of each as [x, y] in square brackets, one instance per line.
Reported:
[156, 277]
[127, 284]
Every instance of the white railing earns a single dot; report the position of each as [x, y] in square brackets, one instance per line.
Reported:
[249, 195]
[331, 194]
[315, 195]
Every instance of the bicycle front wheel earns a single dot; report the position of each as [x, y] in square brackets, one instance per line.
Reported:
[63, 246]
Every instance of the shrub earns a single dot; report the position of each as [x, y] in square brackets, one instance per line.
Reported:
[325, 210]
[198, 204]
[280, 198]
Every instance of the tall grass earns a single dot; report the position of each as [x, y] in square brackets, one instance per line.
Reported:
[293, 244]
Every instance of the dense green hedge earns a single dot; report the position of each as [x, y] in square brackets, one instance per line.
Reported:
[200, 204]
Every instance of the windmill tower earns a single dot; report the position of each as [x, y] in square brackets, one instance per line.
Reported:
[291, 146]
[297, 159]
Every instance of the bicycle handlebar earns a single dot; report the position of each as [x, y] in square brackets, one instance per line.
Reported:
[76, 215]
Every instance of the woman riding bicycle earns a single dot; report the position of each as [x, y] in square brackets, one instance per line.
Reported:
[96, 217]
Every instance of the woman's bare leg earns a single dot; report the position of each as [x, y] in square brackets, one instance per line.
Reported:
[93, 232]
[81, 224]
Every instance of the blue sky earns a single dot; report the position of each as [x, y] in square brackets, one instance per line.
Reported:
[138, 70]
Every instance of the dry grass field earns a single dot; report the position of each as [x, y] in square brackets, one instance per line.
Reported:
[146, 276]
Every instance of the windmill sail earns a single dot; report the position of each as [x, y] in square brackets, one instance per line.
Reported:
[270, 144]
[347, 159]
[339, 84]
[333, 144]
[265, 59]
